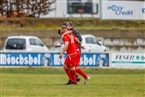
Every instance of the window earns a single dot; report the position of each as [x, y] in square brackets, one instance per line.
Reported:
[39, 43]
[15, 43]
[91, 40]
[88, 8]
[32, 41]
[80, 8]
[36, 42]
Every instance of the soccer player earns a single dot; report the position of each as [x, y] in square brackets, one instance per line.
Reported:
[74, 31]
[77, 60]
[70, 48]
[78, 35]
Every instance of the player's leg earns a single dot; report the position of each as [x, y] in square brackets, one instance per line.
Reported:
[77, 63]
[78, 70]
[73, 70]
[77, 76]
[86, 78]
[72, 66]
[68, 72]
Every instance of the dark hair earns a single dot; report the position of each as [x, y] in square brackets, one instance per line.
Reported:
[67, 23]
[63, 27]
[59, 31]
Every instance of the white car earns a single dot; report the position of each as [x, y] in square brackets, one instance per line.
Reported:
[24, 43]
[91, 44]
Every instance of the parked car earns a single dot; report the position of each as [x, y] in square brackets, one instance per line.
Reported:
[91, 44]
[24, 43]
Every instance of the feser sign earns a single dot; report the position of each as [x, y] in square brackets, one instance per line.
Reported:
[128, 60]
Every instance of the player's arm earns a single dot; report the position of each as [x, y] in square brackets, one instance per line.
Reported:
[64, 49]
[77, 34]
[68, 32]
[77, 41]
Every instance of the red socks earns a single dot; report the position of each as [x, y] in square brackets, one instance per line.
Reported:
[79, 71]
[68, 72]
[74, 76]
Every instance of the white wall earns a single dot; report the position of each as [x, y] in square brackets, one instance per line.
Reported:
[61, 10]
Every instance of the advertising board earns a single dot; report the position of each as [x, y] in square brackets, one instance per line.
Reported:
[23, 59]
[51, 59]
[87, 59]
[128, 60]
[128, 10]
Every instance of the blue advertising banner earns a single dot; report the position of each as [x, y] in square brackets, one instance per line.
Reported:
[87, 59]
[23, 59]
[50, 59]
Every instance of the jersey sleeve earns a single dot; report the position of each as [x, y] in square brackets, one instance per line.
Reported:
[65, 39]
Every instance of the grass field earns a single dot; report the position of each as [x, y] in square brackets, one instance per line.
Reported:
[13, 24]
[49, 82]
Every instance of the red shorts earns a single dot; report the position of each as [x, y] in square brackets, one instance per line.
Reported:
[78, 58]
[70, 60]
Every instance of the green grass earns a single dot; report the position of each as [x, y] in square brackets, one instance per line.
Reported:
[12, 24]
[49, 82]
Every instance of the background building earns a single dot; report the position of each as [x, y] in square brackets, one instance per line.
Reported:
[75, 8]
[104, 9]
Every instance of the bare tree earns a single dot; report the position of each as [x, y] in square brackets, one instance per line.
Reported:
[20, 8]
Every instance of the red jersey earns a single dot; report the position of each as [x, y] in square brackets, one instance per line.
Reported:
[72, 46]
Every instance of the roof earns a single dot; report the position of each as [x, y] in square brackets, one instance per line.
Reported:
[87, 35]
[22, 36]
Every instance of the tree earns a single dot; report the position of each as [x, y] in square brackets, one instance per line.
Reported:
[19, 8]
